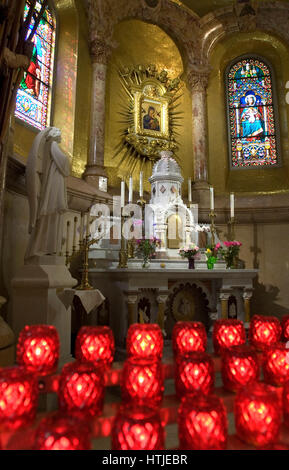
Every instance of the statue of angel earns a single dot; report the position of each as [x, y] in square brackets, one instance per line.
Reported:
[46, 173]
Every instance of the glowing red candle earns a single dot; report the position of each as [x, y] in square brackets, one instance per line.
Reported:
[285, 327]
[144, 340]
[202, 423]
[276, 364]
[137, 428]
[194, 373]
[81, 389]
[142, 381]
[188, 337]
[258, 414]
[38, 349]
[227, 333]
[60, 432]
[239, 367]
[94, 344]
[264, 331]
[18, 397]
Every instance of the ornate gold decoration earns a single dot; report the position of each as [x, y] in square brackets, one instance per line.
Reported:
[151, 115]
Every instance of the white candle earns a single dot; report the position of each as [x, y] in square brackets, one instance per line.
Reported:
[212, 202]
[130, 192]
[232, 205]
[122, 194]
[88, 224]
[190, 190]
[141, 184]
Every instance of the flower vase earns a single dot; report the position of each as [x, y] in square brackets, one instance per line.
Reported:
[191, 263]
[146, 263]
[210, 262]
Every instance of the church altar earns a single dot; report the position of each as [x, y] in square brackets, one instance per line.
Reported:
[165, 293]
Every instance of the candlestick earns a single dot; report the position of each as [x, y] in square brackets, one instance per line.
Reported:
[231, 229]
[81, 228]
[123, 256]
[212, 202]
[122, 195]
[212, 216]
[141, 184]
[130, 193]
[67, 241]
[190, 190]
[88, 225]
[74, 235]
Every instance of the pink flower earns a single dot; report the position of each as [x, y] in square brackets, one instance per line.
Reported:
[218, 246]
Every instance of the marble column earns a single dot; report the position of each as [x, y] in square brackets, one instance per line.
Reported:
[198, 77]
[224, 298]
[161, 300]
[95, 172]
[247, 295]
[131, 306]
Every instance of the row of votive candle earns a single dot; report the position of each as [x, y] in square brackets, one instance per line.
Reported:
[202, 419]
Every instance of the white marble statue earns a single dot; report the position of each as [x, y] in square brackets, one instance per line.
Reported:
[46, 172]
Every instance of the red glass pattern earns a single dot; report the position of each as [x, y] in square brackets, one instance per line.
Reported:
[137, 428]
[94, 344]
[188, 337]
[144, 340]
[194, 373]
[258, 414]
[285, 400]
[227, 333]
[285, 327]
[239, 367]
[264, 331]
[38, 348]
[276, 364]
[202, 423]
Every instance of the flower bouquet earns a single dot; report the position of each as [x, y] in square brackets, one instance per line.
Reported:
[190, 252]
[212, 255]
[231, 253]
[146, 248]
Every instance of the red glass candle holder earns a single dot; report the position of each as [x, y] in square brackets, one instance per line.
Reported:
[38, 349]
[145, 340]
[59, 432]
[142, 381]
[285, 328]
[276, 364]
[285, 400]
[202, 423]
[264, 331]
[194, 373]
[95, 344]
[258, 414]
[227, 333]
[18, 397]
[240, 367]
[137, 428]
[188, 337]
[81, 389]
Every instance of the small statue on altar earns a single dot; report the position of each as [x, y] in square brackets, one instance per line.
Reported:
[46, 173]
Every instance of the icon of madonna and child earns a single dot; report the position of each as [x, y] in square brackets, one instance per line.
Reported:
[151, 118]
[251, 116]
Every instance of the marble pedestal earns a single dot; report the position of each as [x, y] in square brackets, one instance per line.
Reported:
[39, 297]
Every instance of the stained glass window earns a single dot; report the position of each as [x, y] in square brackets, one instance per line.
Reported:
[34, 93]
[252, 125]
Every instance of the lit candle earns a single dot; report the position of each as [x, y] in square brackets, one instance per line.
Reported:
[130, 189]
[190, 190]
[122, 194]
[212, 205]
[141, 184]
[232, 205]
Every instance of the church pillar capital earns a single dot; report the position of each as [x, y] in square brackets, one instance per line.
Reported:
[100, 51]
[198, 78]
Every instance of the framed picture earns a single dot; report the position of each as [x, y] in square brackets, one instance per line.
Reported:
[151, 111]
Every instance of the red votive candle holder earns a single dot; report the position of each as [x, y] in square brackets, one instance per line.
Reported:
[227, 333]
[258, 414]
[18, 397]
[285, 327]
[145, 340]
[189, 336]
[240, 367]
[137, 428]
[264, 331]
[95, 344]
[285, 400]
[142, 381]
[38, 349]
[81, 389]
[202, 423]
[194, 373]
[276, 364]
[60, 432]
